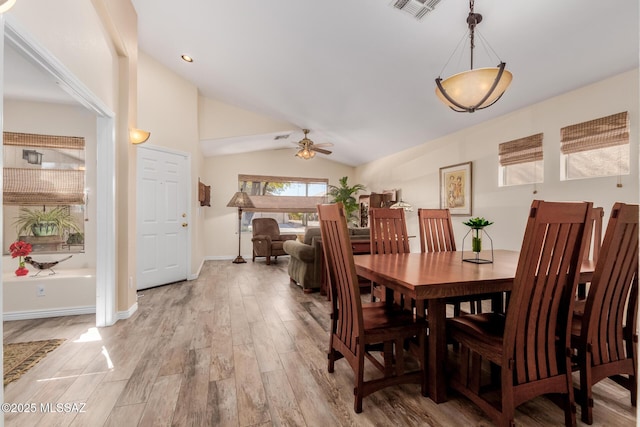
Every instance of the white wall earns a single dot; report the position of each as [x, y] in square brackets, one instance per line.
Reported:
[73, 32]
[221, 172]
[416, 171]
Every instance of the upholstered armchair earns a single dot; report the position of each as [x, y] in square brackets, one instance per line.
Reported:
[267, 240]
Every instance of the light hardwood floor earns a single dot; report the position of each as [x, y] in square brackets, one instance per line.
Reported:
[240, 346]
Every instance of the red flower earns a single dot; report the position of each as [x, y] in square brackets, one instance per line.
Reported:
[20, 249]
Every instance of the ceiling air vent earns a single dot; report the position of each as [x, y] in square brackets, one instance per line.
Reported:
[416, 8]
[278, 137]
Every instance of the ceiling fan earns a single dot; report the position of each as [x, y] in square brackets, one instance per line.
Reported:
[308, 149]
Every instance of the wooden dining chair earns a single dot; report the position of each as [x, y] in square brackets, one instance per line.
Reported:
[593, 250]
[436, 235]
[436, 230]
[531, 343]
[388, 228]
[365, 330]
[604, 333]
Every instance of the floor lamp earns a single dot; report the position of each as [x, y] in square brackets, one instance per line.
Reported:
[240, 200]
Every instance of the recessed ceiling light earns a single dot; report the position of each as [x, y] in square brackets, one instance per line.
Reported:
[187, 58]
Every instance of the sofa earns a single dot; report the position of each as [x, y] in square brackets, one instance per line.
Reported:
[305, 267]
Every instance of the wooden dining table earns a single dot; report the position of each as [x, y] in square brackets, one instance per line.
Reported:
[433, 277]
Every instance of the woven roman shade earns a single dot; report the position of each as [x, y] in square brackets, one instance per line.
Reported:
[43, 186]
[277, 203]
[37, 186]
[44, 141]
[599, 133]
[285, 204]
[523, 150]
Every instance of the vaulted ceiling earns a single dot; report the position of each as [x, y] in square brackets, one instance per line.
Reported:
[360, 73]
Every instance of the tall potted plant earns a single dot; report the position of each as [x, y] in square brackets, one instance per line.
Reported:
[345, 194]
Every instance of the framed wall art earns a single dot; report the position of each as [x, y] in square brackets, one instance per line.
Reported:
[204, 194]
[456, 188]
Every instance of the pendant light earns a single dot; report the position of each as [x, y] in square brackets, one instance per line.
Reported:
[477, 88]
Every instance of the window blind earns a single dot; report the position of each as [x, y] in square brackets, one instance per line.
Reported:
[599, 133]
[37, 186]
[43, 186]
[280, 203]
[285, 204]
[522, 150]
[45, 141]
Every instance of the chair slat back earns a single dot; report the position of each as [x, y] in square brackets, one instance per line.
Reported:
[436, 230]
[388, 229]
[613, 280]
[537, 329]
[347, 321]
[597, 215]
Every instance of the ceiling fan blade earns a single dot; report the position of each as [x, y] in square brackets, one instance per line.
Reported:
[320, 150]
[324, 144]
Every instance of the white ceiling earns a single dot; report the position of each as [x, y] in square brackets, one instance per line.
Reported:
[360, 74]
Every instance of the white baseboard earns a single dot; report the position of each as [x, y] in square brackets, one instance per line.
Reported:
[39, 314]
[195, 276]
[121, 315]
[221, 258]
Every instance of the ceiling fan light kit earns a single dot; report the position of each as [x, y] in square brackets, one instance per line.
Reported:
[307, 148]
[477, 88]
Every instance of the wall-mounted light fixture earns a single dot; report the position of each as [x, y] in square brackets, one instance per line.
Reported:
[32, 157]
[138, 136]
[6, 5]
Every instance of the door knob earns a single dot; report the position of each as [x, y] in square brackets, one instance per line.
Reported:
[184, 224]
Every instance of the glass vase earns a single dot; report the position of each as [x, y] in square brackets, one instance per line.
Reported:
[476, 240]
[476, 234]
[22, 270]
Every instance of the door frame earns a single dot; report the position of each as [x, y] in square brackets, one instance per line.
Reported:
[187, 156]
[19, 38]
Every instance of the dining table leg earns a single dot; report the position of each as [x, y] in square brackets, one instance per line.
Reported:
[436, 313]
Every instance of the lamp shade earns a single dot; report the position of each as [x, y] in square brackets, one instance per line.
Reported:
[240, 200]
[472, 90]
[402, 205]
[138, 136]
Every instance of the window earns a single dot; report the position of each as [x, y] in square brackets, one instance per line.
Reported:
[595, 148]
[521, 161]
[44, 191]
[291, 201]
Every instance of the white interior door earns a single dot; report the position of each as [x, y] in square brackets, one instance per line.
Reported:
[162, 219]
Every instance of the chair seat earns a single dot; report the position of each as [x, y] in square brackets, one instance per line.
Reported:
[485, 327]
[377, 316]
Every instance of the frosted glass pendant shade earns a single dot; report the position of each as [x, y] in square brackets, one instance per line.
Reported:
[474, 89]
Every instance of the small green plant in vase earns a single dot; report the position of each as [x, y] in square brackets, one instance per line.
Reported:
[477, 226]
